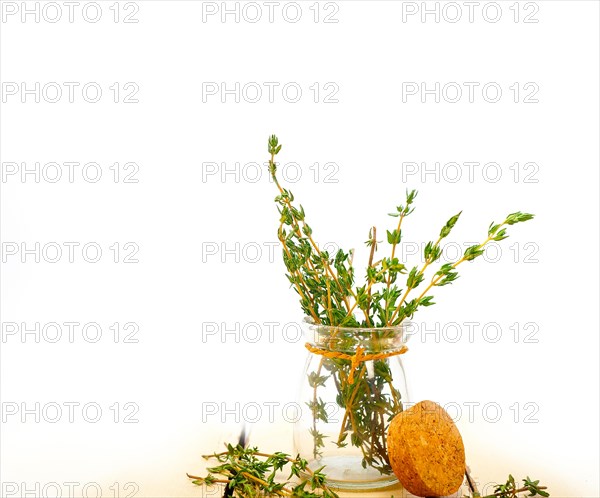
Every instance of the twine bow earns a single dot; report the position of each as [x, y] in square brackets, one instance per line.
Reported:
[356, 358]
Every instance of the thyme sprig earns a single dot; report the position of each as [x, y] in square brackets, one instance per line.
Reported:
[511, 489]
[251, 474]
[326, 283]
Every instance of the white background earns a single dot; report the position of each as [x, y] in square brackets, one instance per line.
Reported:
[178, 212]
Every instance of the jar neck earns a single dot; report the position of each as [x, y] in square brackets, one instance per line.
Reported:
[349, 339]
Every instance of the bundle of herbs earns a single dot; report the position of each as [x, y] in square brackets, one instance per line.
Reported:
[248, 473]
[390, 294]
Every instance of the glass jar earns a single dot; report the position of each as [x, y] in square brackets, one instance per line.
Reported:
[352, 387]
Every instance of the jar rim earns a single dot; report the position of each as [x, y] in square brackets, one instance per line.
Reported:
[396, 328]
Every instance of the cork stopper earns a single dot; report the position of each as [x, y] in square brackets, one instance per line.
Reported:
[426, 450]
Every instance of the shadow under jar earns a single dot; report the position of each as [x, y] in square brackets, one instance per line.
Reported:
[352, 387]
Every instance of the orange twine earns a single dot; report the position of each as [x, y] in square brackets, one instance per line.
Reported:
[356, 359]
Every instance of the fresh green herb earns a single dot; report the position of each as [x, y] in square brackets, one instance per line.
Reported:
[510, 489]
[369, 405]
[251, 474]
[325, 282]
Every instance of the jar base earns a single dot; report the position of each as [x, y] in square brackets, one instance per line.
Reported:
[346, 473]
